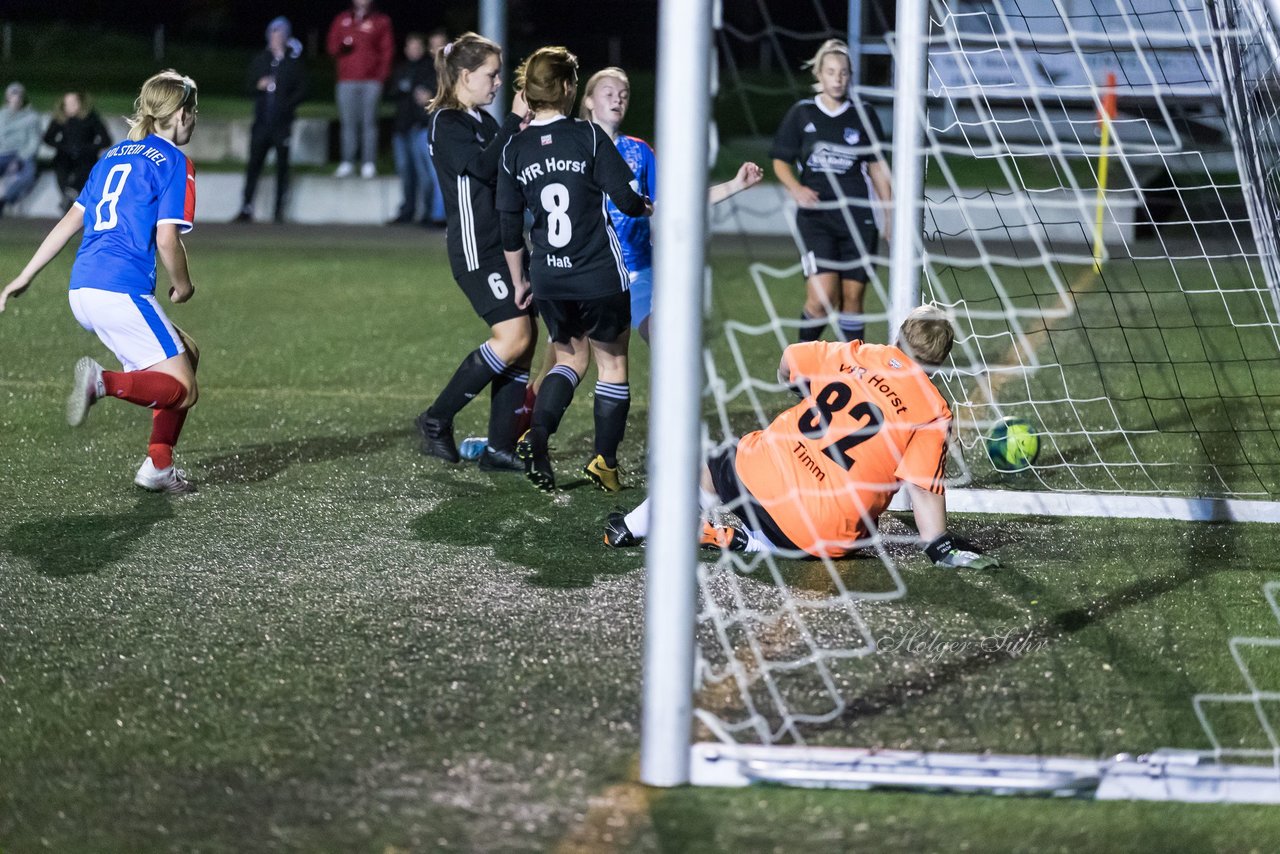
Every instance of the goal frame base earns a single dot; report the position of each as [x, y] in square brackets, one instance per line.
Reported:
[1165, 775]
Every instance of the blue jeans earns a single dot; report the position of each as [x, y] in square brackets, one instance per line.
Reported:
[17, 176]
[418, 182]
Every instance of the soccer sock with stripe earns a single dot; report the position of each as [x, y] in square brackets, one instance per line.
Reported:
[166, 425]
[476, 371]
[811, 327]
[851, 327]
[152, 389]
[613, 402]
[506, 402]
[553, 400]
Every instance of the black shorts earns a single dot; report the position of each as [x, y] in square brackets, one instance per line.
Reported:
[724, 474]
[491, 293]
[602, 319]
[827, 245]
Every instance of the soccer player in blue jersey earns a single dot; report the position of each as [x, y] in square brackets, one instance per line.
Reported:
[605, 101]
[139, 198]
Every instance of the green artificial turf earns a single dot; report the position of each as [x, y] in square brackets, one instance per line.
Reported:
[341, 645]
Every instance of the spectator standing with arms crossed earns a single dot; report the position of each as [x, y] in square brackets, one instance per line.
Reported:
[278, 81]
[412, 86]
[363, 44]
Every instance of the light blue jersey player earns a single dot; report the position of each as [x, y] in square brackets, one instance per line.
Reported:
[605, 101]
[137, 201]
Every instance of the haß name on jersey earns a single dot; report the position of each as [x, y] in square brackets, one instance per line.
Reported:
[137, 148]
[551, 164]
[559, 261]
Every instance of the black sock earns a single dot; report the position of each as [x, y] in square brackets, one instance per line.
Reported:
[811, 327]
[506, 399]
[851, 327]
[553, 400]
[613, 402]
[476, 371]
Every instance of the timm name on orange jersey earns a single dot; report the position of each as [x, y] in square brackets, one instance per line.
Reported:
[810, 464]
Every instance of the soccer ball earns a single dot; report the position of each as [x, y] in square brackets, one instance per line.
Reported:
[1013, 444]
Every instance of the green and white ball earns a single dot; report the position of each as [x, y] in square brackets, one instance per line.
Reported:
[1013, 444]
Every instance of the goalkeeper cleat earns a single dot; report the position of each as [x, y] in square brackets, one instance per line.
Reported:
[603, 475]
[729, 538]
[86, 389]
[437, 438]
[532, 450]
[953, 552]
[168, 480]
[616, 533]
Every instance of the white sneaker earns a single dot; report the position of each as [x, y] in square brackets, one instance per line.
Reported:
[344, 170]
[86, 388]
[168, 480]
[368, 170]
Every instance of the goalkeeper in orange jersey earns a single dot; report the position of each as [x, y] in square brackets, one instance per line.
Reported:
[815, 481]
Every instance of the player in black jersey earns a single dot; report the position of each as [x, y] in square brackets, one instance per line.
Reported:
[561, 169]
[466, 143]
[832, 140]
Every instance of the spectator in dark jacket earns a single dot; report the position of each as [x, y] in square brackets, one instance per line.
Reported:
[361, 41]
[77, 136]
[412, 86]
[277, 79]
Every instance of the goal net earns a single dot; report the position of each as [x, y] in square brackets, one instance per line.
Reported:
[1099, 219]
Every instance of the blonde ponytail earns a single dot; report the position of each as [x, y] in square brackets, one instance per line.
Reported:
[161, 98]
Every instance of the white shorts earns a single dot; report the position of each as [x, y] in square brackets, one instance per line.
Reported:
[133, 327]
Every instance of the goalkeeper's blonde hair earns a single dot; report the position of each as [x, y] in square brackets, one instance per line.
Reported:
[927, 335]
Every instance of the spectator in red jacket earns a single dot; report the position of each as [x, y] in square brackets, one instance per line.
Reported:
[361, 41]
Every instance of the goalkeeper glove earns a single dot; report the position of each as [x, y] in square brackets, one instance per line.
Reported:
[952, 551]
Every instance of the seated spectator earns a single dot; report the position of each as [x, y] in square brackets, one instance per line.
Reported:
[277, 79]
[19, 142]
[77, 136]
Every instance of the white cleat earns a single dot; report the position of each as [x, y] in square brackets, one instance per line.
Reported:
[368, 171]
[86, 388]
[344, 170]
[168, 480]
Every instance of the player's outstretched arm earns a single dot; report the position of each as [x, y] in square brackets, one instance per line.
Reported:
[882, 183]
[70, 225]
[174, 257]
[940, 545]
[749, 174]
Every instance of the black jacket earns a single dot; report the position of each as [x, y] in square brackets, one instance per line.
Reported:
[77, 140]
[407, 77]
[273, 109]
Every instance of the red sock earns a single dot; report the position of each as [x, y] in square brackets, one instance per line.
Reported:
[151, 389]
[524, 415]
[166, 424]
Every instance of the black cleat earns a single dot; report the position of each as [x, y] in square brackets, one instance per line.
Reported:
[616, 533]
[491, 459]
[437, 438]
[537, 461]
[729, 538]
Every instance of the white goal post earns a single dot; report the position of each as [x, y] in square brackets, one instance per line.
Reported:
[1014, 355]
